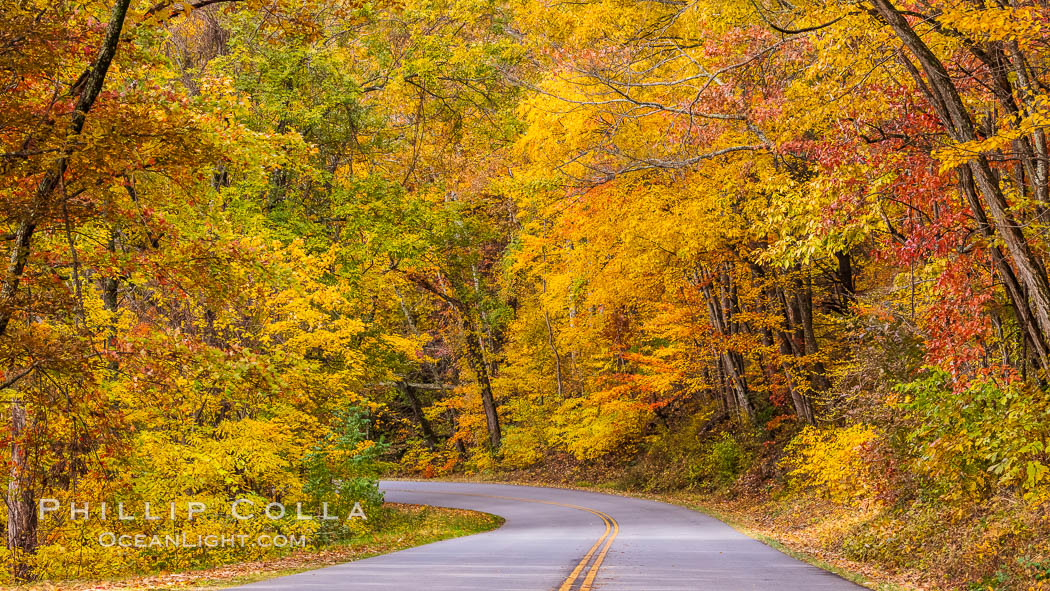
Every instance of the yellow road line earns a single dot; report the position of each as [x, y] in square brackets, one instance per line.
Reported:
[610, 525]
[567, 585]
[589, 581]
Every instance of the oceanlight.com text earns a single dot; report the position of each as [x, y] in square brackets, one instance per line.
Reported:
[112, 539]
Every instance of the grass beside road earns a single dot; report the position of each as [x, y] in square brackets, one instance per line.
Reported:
[408, 526]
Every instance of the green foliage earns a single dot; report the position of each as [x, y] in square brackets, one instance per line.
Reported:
[343, 469]
[968, 442]
[727, 459]
[721, 461]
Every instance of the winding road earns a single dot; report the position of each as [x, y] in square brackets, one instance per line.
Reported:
[567, 540]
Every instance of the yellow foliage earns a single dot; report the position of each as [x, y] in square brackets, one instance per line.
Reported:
[831, 461]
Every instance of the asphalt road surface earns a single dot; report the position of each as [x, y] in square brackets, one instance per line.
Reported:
[566, 540]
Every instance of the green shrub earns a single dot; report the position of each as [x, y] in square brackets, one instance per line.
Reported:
[967, 442]
[342, 469]
[720, 463]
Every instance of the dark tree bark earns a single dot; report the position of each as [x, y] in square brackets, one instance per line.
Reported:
[477, 364]
[453, 421]
[554, 350]
[977, 179]
[475, 357]
[845, 273]
[732, 362]
[804, 297]
[777, 304]
[94, 79]
[417, 411]
[20, 499]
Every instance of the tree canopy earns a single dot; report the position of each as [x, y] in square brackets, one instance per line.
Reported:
[264, 249]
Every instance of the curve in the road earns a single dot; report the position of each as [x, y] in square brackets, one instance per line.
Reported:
[611, 527]
[567, 540]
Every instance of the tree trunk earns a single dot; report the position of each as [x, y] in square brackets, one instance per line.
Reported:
[460, 448]
[732, 362]
[480, 369]
[554, 349]
[977, 175]
[1029, 331]
[804, 297]
[20, 247]
[777, 304]
[803, 408]
[21, 506]
[417, 410]
[845, 273]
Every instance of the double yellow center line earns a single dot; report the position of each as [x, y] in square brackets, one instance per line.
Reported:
[612, 529]
[588, 581]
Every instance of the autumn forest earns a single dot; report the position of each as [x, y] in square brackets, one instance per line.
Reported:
[788, 258]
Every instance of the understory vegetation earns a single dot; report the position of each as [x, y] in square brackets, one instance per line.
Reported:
[405, 526]
[789, 256]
